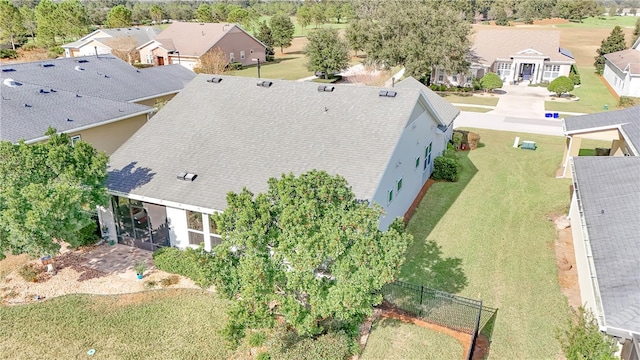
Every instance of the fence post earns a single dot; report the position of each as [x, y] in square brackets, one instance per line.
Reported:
[421, 292]
[475, 333]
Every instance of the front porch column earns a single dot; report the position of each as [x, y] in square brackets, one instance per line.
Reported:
[540, 73]
[514, 73]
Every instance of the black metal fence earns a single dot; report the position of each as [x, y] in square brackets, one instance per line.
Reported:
[441, 308]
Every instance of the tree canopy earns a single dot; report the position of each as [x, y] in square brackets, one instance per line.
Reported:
[490, 82]
[264, 35]
[614, 42]
[204, 13]
[561, 85]
[282, 30]
[326, 51]
[118, 17]
[49, 191]
[307, 250]
[11, 23]
[397, 35]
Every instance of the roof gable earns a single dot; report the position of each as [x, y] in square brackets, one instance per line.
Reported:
[529, 52]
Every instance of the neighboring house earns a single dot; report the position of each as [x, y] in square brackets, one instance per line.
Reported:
[105, 41]
[185, 43]
[621, 127]
[225, 133]
[605, 221]
[622, 71]
[515, 55]
[101, 100]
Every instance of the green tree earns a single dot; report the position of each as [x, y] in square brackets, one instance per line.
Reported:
[204, 13]
[490, 81]
[308, 250]
[331, 13]
[636, 31]
[140, 13]
[346, 12]
[397, 35]
[48, 191]
[614, 42]
[11, 23]
[73, 19]
[156, 13]
[581, 338]
[282, 30]
[576, 10]
[264, 35]
[356, 35]
[318, 16]
[47, 23]
[326, 51]
[118, 17]
[303, 17]
[29, 20]
[561, 85]
[501, 17]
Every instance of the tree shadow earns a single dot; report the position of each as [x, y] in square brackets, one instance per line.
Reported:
[129, 177]
[425, 264]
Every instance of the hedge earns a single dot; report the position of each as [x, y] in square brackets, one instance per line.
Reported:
[194, 264]
[445, 168]
[332, 346]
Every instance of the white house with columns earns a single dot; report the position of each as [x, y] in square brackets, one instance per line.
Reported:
[533, 56]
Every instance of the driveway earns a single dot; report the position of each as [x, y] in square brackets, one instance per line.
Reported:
[500, 122]
[521, 101]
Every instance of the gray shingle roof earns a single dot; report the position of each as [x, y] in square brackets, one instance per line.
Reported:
[53, 108]
[625, 58]
[234, 134]
[106, 76]
[628, 119]
[444, 109]
[140, 35]
[609, 191]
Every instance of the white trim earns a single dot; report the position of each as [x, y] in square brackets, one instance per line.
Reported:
[168, 203]
[628, 143]
[599, 128]
[42, 138]
[154, 96]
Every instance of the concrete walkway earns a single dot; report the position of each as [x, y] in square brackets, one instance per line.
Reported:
[509, 123]
[397, 76]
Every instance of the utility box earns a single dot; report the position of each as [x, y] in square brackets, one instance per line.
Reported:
[528, 145]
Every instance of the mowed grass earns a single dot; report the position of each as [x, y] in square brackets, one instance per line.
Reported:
[472, 100]
[602, 22]
[592, 92]
[494, 225]
[299, 31]
[288, 67]
[165, 324]
[392, 339]
[473, 109]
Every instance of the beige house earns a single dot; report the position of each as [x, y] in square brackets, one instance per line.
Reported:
[184, 43]
[101, 100]
[534, 56]
[105, 41]
[618, 127]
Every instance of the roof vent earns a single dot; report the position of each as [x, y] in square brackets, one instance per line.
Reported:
[190, 177]
[27, 105]
[214, 80]
[265, 83]
[78, 68]
[53, 90]
[48, 65]
[11, 83]
[69, 120]
[43, 91]
[82, 61]
[386, 93]
[181, 175]
[107, 76]
[326, 88]
[8, 69]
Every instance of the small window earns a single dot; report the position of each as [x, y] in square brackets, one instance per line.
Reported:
[195, 238]
[75, 139]
[390, 198]
[251, 51]
[399, 185]
[232, 57]
[242, 55]
[212, 225]
[417, 162]
[194, 220]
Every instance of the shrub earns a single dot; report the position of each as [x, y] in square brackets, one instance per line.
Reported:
[235, 66]
[86, 236]
[141, 65]
[561, 85]
[473, 140]
[457, 139]
[29, 272]
[8, 54]
[150, 284]
[56, 51]
[445, 168]
[263, 356]
[257, 339]
[331, 346]
[581, 338]
[490, 82]
[194, 264]
[170, 280]
[629, 101]
[331, 80]
[575, 78]
[29, 46]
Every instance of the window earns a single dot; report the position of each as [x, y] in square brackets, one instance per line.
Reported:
[195, 228]
[455, 78]
[398, 185]
[75, 139]
[149, 58]
[390, 198]
[504, 69]
[242, 55]
[417, 162]
[427, 157]
[232, 57]
[551, 71]
[213, 232]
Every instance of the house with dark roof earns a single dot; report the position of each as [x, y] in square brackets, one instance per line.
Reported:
[105, 41]
[223, 133]
[605, 221]
[101, 100]
[185, 43]
[532, 56]
[622, 71]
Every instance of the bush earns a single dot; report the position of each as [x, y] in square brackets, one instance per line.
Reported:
[194, 264]
[263, 356]
[628, 101]
[30, 272]
[56, 51]
[491, 81]
[257, 339]
[457, 139]
[330, 80]
[331, 346]
[8, 54]
[150, 284]
[581, 338]
[445, 168]
[235, 66]
[142, 66]
[575, 78]
[170, 280]
[561, 85]
[29, 46]
[86, 236]
[473, 140]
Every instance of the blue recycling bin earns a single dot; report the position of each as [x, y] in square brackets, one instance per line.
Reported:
[548, 115]
[556, 115]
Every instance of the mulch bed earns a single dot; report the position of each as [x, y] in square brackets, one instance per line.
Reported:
[75, 261]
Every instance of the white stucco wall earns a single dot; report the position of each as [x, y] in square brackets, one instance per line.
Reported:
[412, 143]
[614, 77]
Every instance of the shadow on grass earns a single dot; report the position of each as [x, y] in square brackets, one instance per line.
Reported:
[425, 264]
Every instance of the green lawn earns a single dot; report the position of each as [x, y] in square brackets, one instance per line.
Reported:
[602, 22]
[165, 324]
[299, 31]
[288, 67]
[488, 237]
[395, 340]
[472, 100]
[473, 109]
[592, 92]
